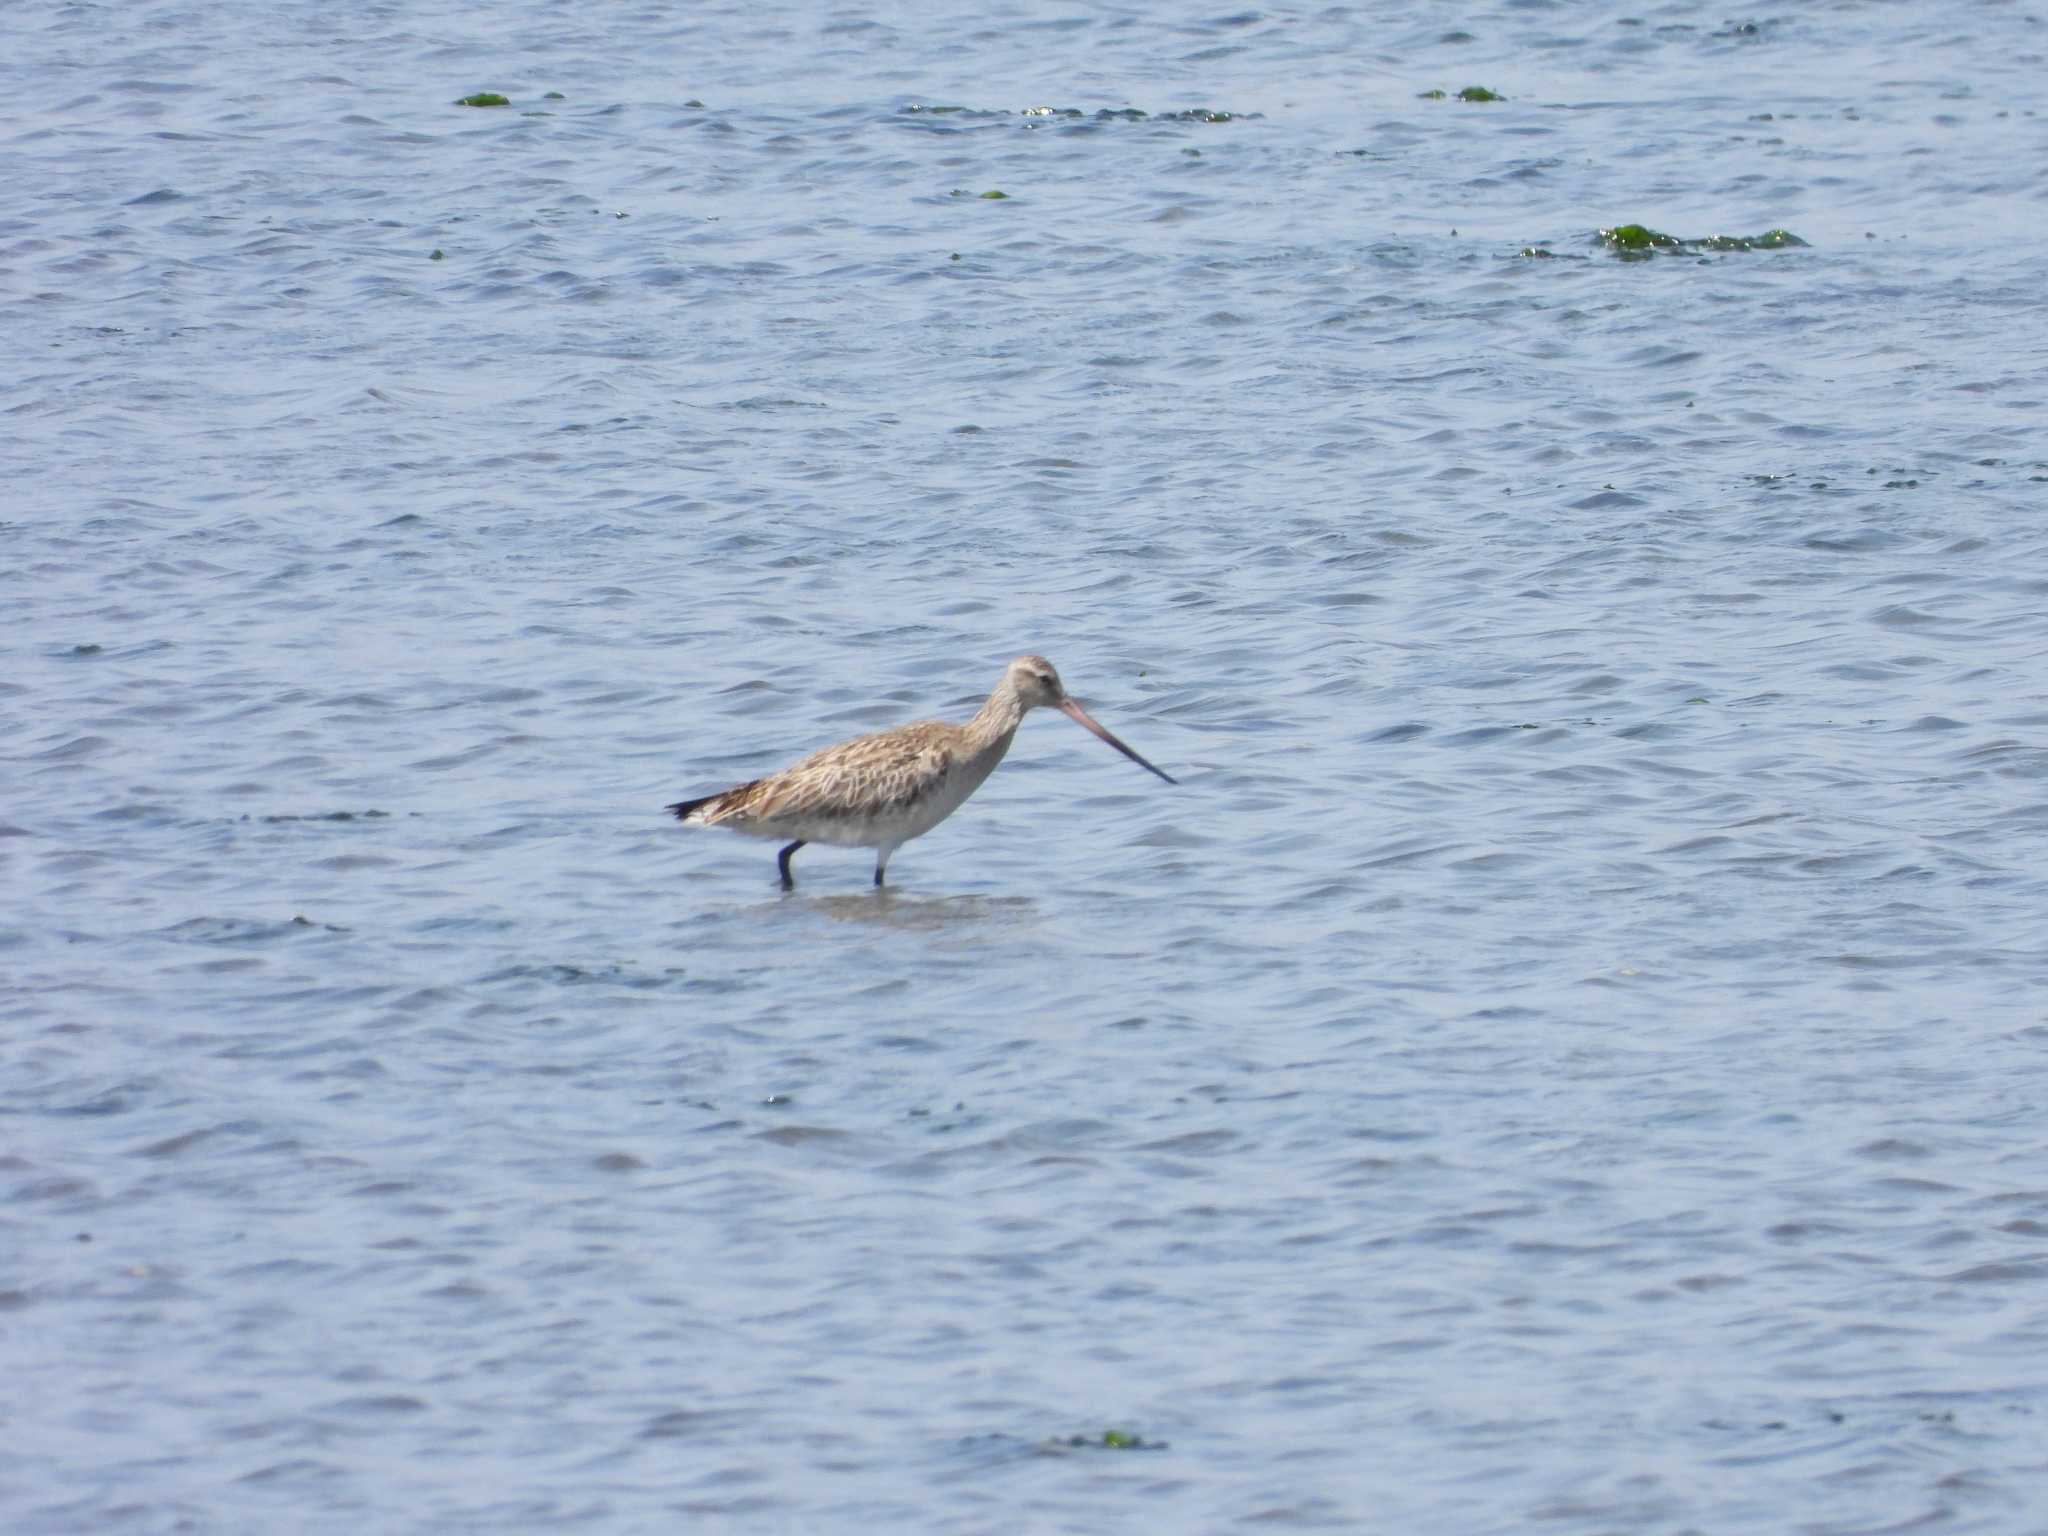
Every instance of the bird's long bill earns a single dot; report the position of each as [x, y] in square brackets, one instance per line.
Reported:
[1079, 716]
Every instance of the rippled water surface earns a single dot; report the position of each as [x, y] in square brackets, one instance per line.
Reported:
[1567, 1056]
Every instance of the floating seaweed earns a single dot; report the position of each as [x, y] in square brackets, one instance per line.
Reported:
[1108, 1440]
[1769, 240]
[1639, 237]
[1638, 242]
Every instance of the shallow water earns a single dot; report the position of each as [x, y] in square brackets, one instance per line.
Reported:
[1566, 1055]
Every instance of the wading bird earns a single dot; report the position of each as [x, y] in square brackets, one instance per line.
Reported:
[882, 790]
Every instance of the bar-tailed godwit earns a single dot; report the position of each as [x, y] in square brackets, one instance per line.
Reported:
[880, 791]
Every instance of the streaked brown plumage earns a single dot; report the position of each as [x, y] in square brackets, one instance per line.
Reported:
[882, 790]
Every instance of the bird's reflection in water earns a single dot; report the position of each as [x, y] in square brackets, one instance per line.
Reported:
[886, 908]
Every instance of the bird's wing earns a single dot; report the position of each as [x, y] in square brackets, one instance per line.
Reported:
[867, 776]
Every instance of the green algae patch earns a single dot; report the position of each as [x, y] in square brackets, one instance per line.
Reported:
[1434, 96]
[1638, 242]
[484, 99]
[993, 196]
[1639, 237]
[1769, 240]
[1479, 93]
[1108, 1440]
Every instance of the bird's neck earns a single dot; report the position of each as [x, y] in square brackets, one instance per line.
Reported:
[997, 720]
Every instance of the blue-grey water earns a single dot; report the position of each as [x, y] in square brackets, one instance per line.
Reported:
[1569, 1054]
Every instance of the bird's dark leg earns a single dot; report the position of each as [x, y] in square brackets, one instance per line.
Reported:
[782, 863]
[881, 863]
[878, 877]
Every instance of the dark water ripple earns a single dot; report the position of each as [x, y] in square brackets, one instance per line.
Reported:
[1565, 1056]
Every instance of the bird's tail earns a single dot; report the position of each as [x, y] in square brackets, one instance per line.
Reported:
[713, 809]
